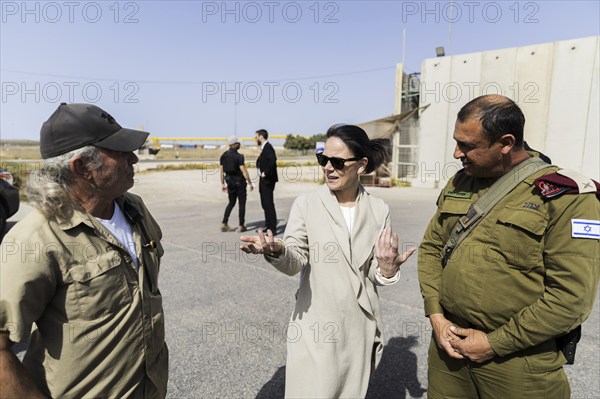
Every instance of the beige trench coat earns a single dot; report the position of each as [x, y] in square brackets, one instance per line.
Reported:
[334, 337]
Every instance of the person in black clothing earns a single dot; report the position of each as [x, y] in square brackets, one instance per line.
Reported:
[267, 170]
[234, 176]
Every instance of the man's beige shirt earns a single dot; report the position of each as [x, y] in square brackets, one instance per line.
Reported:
[99, 323]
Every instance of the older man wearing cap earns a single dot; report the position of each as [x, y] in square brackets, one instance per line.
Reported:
[83, 266]
[234, 176]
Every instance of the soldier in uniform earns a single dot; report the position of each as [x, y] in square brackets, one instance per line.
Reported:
[523, 277]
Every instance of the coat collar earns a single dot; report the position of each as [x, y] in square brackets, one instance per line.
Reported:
[338, 226]
[357, 245]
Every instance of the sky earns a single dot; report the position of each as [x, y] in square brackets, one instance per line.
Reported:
[214, 68]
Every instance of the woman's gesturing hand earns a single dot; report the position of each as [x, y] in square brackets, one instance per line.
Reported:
[386, 252]
[262, 244]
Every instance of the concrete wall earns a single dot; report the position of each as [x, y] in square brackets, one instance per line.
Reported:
[556, 85]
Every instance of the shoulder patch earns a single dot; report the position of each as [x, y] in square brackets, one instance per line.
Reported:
[556, 184]
[584, 184]
[549, 190]
[585, 228]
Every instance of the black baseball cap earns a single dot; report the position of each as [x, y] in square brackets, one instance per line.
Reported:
[74, 126]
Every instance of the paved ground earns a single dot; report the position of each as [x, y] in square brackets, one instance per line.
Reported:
[227, 311]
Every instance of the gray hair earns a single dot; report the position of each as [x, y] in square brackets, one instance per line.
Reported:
[49, 186]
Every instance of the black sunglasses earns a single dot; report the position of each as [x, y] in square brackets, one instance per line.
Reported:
[337, 163]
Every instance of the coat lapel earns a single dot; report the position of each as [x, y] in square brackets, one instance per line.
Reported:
[362, 247]
[365, 221]
[338, 227]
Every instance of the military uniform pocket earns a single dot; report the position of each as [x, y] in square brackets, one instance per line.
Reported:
[453, 206]
[100, 287]
[519, 233]
[452, 209]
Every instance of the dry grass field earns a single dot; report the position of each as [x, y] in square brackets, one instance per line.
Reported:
[21, 150]
[20, 157]
[12, 152]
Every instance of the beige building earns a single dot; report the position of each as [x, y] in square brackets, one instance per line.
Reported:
[556, 84]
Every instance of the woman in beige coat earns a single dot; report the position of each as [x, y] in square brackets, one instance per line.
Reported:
[338, 237]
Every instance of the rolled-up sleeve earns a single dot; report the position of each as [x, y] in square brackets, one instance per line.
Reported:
[27, 282]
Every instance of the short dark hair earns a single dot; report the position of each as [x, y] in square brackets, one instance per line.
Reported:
[357, 140]
[498, 115]
[263, 133]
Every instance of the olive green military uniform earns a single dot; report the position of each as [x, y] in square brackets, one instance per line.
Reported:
[100, 322]
[519, 276]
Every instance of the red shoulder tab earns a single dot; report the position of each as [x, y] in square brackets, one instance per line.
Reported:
[553, 185]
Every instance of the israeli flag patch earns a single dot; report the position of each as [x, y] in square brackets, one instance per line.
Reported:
[584, 228]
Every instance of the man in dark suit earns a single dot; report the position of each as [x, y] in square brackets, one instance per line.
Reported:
[267, 170]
